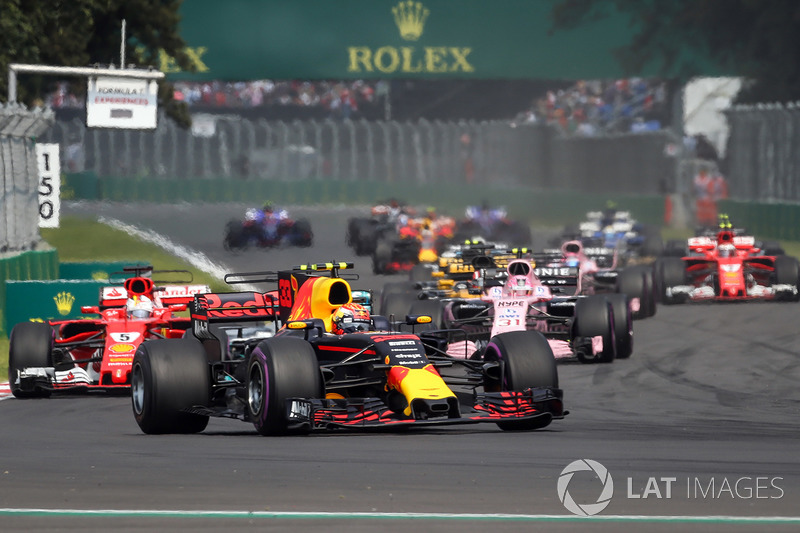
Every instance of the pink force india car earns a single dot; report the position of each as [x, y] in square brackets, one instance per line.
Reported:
[97, 353]
[521, 297]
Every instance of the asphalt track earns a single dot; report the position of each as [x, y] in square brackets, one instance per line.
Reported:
[710, 398]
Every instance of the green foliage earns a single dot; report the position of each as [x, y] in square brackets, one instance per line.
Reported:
[78, 33]
[756, 39]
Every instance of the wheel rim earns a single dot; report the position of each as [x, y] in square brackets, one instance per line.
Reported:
[137, 389]
[255, 389]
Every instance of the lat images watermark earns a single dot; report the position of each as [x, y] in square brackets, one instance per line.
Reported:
[663, 487]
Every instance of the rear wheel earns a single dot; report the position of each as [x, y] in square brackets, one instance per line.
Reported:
[637, 282]
[301, 233]
[623, 325]
[594, 316]
[527, 362]
[168, 377]
[30, 346]
[235, 236]
[381, 258]
[280, 368]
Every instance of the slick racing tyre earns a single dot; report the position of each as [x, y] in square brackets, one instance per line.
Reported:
[168, 377]
[300, 234]
[787, 272]
[235, 236]
[30, 346]
[527, 362]
[670, 272]
[637, 282]
[623, 325]
[281, 368]
[381, 258]
[594, 315]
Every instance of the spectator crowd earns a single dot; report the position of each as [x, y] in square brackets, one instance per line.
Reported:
[591, 107]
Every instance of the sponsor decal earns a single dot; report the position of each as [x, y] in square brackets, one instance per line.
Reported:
[64, 301]
[236, 305]
[122, 348]
[410, 18]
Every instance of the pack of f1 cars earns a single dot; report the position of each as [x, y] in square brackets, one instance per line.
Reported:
[482, 293]
[416, 240]
[267, 227]
[727, 267]
[611, 228]
[96, 353]
[315, 374]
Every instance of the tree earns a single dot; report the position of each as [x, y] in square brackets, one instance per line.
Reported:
[79, 33]
[756, 39]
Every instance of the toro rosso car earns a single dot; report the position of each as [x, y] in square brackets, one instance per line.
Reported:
[727, 267]
[310, 376]
[96, 353]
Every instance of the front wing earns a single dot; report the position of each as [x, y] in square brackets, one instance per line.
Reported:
[370, 413]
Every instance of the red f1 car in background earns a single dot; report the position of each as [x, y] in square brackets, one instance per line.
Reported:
[727, 267]
[96, 353]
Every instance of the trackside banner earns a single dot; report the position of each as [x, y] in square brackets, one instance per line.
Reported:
[363, 39]
[49, 300]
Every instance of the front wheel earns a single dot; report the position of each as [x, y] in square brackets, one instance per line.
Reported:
[168, 377]
[30, 346]
[527, 362]
[279, 369]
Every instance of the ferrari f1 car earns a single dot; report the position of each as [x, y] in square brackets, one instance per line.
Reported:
[308, 378]
[727, 267]
[96, 353]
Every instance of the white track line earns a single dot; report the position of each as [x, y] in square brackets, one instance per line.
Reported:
[712, 519]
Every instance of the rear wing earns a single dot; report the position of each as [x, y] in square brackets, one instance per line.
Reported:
[290, 281]
[231, 307]
[558, 276]
[117, 295]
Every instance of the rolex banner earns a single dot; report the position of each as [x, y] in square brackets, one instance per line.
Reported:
[54, 300]
[370, 39]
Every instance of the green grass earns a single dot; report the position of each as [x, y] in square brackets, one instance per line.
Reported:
[81, 239]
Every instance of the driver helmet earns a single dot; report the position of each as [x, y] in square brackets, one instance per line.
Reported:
[139, 307]
[726, 250]
[268, 207]
[350, 318]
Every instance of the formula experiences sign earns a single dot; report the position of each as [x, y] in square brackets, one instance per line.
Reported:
[121, 103]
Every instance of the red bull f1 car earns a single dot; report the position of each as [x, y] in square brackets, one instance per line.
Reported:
[96, 353]
[727, 267]
[306, 378]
